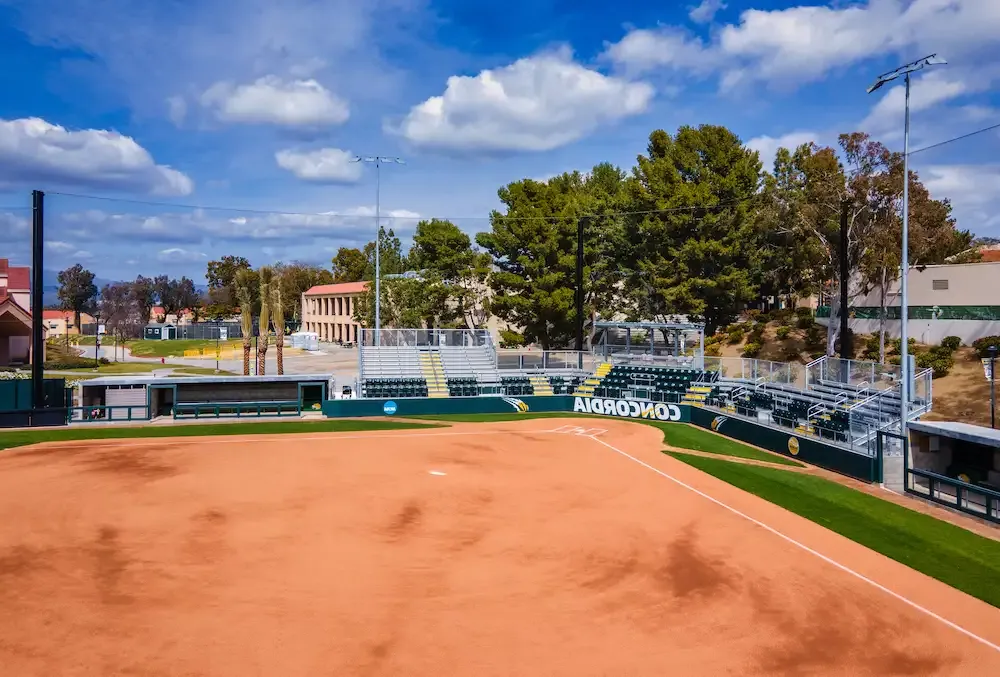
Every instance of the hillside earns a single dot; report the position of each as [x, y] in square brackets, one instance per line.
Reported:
[961, 395]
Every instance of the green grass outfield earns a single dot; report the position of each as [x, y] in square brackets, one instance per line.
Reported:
[949, 553]
[176, 347]
[680, 435]
[20, 438]
[143, 368]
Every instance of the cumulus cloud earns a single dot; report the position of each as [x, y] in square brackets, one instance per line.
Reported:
[36, 152]
[974, 191]
[804, 43]
[59, 247]
[926, 92]
[768, 146]
[665, 47]
[326, 165]
[534, 104]
[706, 11]
[271, 100]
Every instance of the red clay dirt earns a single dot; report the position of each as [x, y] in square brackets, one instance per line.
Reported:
[535, 553]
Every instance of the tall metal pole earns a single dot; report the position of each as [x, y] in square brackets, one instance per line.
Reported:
[378, 250]
[579, 284]
[904, 307]
[993, 387]
[37, 292]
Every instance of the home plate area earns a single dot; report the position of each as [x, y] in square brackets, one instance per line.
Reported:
[577, 430]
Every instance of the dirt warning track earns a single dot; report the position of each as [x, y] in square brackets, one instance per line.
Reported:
[511, 549]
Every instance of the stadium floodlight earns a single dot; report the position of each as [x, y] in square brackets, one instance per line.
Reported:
[378, 161]
[904, 308]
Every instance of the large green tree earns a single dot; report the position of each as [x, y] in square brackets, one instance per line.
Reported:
[445, 257]
[295, 278]
[694, 241]
[349, 265]
[222, 300]
[77, 291]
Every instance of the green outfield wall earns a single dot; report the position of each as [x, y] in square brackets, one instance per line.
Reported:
[424, 406]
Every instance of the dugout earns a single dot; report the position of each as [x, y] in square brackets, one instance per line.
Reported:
[17, 403]
[224, 396]
[957, 464]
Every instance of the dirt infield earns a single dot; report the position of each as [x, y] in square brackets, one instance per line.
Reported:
[485, 550]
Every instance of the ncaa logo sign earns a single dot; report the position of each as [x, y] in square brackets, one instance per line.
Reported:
[389, 408]
[627, 408]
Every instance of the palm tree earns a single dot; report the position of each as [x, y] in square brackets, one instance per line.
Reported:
[278, 311]
[244, 295]
[266, 284]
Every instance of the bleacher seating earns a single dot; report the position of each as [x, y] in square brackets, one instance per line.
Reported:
[390, 362]
[565, 385]
[662, 384]
[463, 386]
[517, 386]
[384, 388]
[469, 361]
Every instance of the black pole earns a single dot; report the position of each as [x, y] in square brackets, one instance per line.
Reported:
[37, 300]
[993, 387]
[579, 284]
[845, 315]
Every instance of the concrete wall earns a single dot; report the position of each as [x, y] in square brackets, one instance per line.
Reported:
[331, 316]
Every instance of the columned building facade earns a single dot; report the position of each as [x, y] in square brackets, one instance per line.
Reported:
[328, 310]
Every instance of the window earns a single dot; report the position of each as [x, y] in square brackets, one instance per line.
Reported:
[939, 285]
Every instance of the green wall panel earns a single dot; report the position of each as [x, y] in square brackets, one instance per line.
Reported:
[787, 443]
[423, 406]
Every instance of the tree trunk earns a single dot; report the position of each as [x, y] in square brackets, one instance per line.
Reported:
[262, 355]
[246, 356]
[833, 330]
[881, 316]
[279, 345]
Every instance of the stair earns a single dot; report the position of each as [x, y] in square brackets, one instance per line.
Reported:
[541, 385]
[697, 394]
[805, 429]
[433, 372]
[591, 382]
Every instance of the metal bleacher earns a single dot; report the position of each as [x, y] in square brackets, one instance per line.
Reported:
[464, 362]
[390, 362]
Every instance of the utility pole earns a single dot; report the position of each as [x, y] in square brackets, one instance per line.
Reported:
[378, 161]
[580, 227]
[846, 349]
[37, 292]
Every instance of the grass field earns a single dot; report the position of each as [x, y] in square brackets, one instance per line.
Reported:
[177, 347]
[143, 368]
[953, 555]
[20, 438]
[677, 435]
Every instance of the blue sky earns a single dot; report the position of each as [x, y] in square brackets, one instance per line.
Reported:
[259, 105]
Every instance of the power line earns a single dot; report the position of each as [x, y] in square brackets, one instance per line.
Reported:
[957, 138]
[239, 210]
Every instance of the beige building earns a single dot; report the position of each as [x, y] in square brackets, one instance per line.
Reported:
[328, 310]
[61, 322]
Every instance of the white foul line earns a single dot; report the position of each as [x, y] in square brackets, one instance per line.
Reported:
[802, 546]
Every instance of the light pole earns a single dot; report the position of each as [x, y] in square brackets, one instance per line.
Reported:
[904, 308]
[993, 386]
[378, 161]
[97, 340]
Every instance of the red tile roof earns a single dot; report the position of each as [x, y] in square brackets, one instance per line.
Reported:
[341, 288]
[56, 314]
[18, 277]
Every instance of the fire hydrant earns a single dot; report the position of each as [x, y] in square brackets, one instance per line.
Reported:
[163, 360]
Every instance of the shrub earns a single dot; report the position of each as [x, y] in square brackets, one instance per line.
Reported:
[757, 333]
[871, 347]
[791, 353]
[72, 363]
[951, 343]
[735, 326]
[751, 350]
[982, 346]
[511, 339]
[816, 336]
[713, 349]
[939, 359]
[895, 345]
[804, 322]
[783, 332]
[753, 313]
[782, 315]
[735, 337]
[803, 312]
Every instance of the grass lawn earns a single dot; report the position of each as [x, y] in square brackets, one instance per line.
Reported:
[200, 371]
[678, 435]
[22, 437]
[142, 368]
[177, 347]
[960, 558]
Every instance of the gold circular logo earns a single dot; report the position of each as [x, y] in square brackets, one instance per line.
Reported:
[793, 446]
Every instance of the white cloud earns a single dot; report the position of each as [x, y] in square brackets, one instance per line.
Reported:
[768, 146]
[13, 227]
[974, 191]
[271, 100]
[34, 151]
[59, 247]
[706, 11]
[534, 104]
[666, 47]
[178, 255]
[925, 93]
[176, 109]
[804, 43]
[326, 165]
